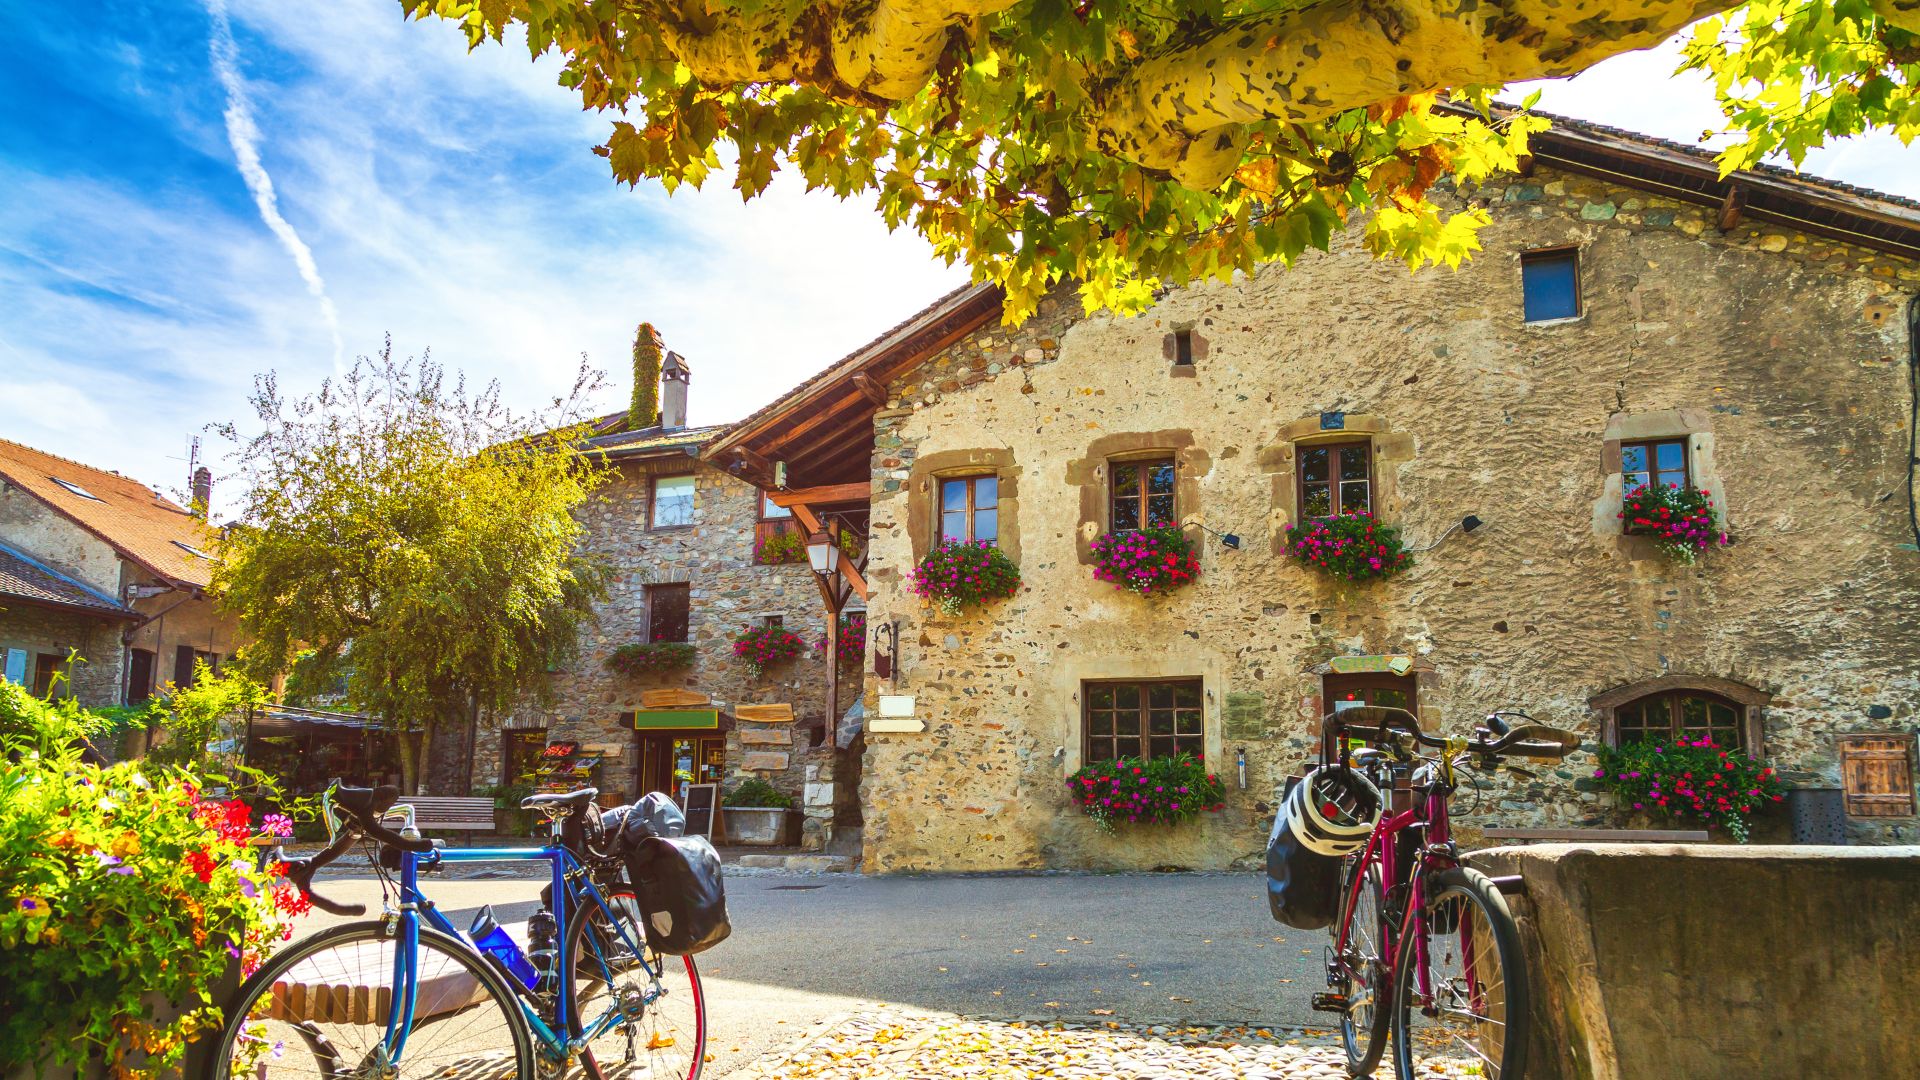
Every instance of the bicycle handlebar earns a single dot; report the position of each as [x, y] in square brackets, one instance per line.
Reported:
[1529, 739]
[362, 809]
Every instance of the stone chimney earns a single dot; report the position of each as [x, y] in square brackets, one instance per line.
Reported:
[202, 491]
[674, 376]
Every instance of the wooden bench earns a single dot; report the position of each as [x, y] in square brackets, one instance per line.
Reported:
[351, 985]
[1601, 836]
[451, 813]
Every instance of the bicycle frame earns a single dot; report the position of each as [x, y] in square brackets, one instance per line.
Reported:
[1429, 815]
[571, 882]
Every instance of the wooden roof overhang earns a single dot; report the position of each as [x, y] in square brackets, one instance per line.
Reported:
[823, 430]
[1770, 194]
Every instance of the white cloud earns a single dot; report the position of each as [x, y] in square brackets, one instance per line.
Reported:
[244, 136]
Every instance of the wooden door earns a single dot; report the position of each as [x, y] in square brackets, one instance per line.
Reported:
[1876, 772]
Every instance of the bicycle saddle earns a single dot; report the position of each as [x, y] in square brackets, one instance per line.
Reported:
[551, 803]
[365, 803]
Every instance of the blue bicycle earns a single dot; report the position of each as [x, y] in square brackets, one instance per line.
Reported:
[408, 995]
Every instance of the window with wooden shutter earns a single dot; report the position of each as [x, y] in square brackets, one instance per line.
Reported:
[1876, 772]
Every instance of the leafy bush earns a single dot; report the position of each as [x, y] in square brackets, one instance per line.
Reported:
[1354, 547]
[121, 887]
[764, 646]
[756, 792]
[1681, 520]
[958, 574]
[505, 796]
[639, 659]
[1146, 561]
[1690, 779]
[1162, 791]
[785, 546]
[193, 717]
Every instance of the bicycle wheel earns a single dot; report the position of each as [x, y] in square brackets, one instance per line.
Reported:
[319, 1009]
[1474, 1020]
[1360, 974]
[652, 1027]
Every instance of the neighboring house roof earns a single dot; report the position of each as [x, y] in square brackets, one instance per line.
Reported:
[22, 577]
[648, 442]
[144, 528]
[820, 443]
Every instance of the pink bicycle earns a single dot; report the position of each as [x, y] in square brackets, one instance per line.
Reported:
[1425, 956]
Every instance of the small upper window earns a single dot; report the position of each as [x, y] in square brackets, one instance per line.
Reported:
[1658, 461]
[772, 511]
[1183, 348]
[76, 489]
[1335, 478]
[672, 502]
[667, 610]
[1144, 720]
[1142, 495]
[1550, 284]
[970, 508]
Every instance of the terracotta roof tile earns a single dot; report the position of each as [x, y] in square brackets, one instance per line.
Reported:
[22, 577]
[130, 517]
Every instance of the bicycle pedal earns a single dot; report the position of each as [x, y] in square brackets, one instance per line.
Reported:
[1333, 1003]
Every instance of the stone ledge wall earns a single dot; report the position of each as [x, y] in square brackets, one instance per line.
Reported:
[1655, 960]
[96, 677]
[1793, 347]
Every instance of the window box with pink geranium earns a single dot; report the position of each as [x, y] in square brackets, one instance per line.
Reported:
[1146, 561]
[761, 647]
[958, 574]
[1350, 547]
[1680, 520]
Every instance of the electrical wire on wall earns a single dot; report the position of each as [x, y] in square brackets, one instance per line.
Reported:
[1913, 419]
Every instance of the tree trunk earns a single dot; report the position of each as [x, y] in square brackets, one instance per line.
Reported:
[445, 764]
[409, 763]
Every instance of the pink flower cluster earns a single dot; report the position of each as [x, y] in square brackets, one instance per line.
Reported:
[960, 573]
[1145, 560]
[1351, 546]
[764, 646]
[1162, 791]
[1682, 520]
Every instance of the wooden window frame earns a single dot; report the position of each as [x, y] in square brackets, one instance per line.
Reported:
[940, 510]
[766, 499]
[1333, 446]
[1144, 738]
[1144, 467]
[1874, 805]
[654, 591]
[1653, 462]
[1671, 699]
[653, 500]
[1571, 251]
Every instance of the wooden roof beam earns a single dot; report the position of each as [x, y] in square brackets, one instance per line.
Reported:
[801, 499]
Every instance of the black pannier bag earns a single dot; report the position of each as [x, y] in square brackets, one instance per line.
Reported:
[655, 815]
[1322, 819]
[683, 898]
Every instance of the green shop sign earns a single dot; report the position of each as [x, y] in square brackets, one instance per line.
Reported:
[676, 719]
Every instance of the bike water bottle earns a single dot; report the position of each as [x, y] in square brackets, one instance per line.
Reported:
[543, 951]
[495, 942]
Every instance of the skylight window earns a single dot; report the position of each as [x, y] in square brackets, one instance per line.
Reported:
[194, 551]
[76, 489]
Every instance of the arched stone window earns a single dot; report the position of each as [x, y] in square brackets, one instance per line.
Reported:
[1684, 706]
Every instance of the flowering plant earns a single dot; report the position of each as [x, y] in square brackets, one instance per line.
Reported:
[764, 646]
[638, 658]
[1145, 561]
[120, 885]
[853, 640]
[1681, 520]
[1690, 778]
[1350, 546]
[958, 573]
[785, 546]
[1162, 790]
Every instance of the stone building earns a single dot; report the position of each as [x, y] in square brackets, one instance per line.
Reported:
[685, 544]
[1630, 317]
[102, 581]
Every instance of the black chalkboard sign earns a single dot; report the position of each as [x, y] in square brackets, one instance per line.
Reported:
[701, 801]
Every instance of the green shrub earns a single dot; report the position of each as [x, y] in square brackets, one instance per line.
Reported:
[757, 792]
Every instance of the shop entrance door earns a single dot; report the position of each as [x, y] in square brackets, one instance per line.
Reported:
[670, 761]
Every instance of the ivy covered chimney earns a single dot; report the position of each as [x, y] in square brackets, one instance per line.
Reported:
[644, 412]
[202, 491]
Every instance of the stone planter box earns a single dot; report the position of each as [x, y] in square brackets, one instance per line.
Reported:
[758, 826]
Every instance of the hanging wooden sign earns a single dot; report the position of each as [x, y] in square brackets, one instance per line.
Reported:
[673, 699]
[764, 714]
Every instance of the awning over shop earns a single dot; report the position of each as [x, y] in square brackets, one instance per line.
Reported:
[276, 720]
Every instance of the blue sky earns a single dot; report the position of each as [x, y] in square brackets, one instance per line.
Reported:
[447, 198]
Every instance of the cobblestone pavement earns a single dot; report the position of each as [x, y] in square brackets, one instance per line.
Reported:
[932, 1046]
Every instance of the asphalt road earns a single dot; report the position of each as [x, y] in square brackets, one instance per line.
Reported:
[1150, 947]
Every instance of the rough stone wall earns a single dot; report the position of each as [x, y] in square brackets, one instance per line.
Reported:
[95, 680]
[1779, 356]
[728, 591]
